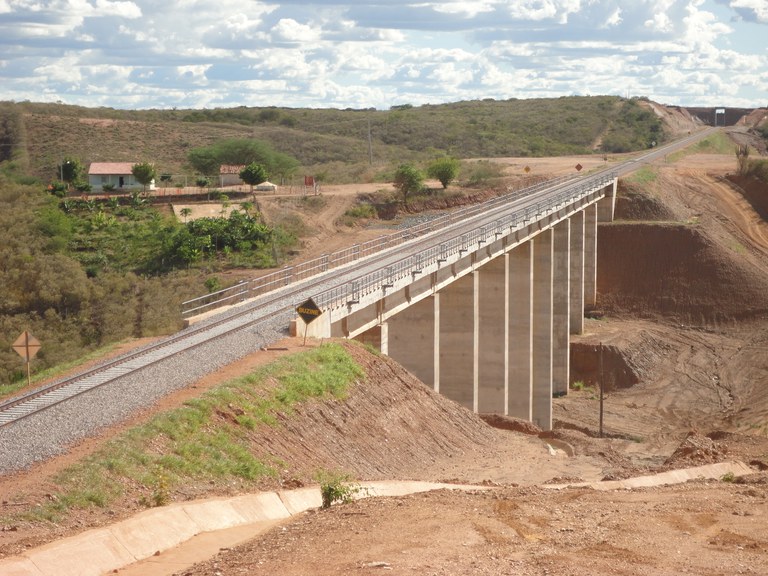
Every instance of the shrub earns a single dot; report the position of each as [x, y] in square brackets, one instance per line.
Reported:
[336, 487]
[482, 171]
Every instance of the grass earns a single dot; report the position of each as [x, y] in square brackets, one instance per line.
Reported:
[644, 175]
[718, 143]
[578, 385]
[204, 441]
[737, 247]
[356, 213]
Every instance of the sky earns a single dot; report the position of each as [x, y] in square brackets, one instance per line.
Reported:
[143, 54]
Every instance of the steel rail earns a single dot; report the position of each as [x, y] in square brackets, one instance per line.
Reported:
[50, 395]
[298, 272]
[451, 233]
[468, 237]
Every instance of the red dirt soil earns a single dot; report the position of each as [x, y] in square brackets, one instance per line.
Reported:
[686, 353]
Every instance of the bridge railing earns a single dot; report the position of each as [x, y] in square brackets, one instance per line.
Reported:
[351, 292]
[290, 274]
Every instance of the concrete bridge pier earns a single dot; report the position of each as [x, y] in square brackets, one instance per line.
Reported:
[543, 252]
[520, 323]
[489, 324]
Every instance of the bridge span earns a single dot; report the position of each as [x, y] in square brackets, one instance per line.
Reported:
[482, 310]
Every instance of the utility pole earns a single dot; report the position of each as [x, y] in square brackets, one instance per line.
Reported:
[600, 365]
[370, 143]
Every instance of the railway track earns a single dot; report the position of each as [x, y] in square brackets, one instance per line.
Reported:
[277, 306]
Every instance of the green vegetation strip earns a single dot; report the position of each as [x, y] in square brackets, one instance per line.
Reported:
[206, 440]
[644, 175]
[717, 143]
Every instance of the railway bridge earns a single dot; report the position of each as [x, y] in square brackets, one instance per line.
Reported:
[482, 310]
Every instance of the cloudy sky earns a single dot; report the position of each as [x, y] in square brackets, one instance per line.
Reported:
[140, 54]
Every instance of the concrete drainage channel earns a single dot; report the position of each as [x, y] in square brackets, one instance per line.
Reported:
[161, 541]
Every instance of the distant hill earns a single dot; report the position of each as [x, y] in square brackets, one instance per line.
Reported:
[39, 135]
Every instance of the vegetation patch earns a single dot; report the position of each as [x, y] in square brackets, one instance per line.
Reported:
[717, 143]
[643, 176]
[360, 211]
[206, 440]
[337, 487]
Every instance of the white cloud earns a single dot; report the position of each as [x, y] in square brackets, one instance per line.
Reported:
[365, 54]
[465, 9]
[614, 19]
[289, 30]
[756, 10]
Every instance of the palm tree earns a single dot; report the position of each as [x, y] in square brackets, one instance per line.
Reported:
[185, 212]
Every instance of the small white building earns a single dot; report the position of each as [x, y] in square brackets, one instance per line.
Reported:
[117, 174]
[229, 175]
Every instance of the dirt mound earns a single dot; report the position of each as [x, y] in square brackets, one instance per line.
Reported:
[697, 450]
[677, 271]
[676, 120]
[510, 423]
[754, 190]
[678, 249]
[390, 426]
[634, 202]
[623, 364]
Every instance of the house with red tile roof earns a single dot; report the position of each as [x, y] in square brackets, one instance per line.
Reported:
[117, 174]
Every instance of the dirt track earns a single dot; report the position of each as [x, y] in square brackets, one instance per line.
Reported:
[710, 375]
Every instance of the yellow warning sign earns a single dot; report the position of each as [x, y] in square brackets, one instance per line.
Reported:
[308, 310]
[26, 346]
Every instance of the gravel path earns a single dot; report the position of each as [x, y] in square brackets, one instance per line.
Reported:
[52, 431]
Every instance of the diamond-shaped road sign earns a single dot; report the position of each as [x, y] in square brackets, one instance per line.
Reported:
[26, 346]
[308, 310]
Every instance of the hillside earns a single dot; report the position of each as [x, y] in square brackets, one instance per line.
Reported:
[333, 143]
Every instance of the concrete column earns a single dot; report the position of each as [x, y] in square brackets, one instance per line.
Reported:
[493, 306]
[520, 372]
[561, 307]
[414, 340]
[542, 329]
[577, 273]
[458, 341]
[590, 256]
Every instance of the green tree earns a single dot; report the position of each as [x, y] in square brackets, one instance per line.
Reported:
[204, 160]
[241, 152]
[284, 166]
[408, 179]
[144, 172]
[253, 175]
[445, 170]
[71, 171]
[185, 213]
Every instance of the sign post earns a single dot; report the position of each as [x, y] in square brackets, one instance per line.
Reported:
[26, 346]
[308, 311]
